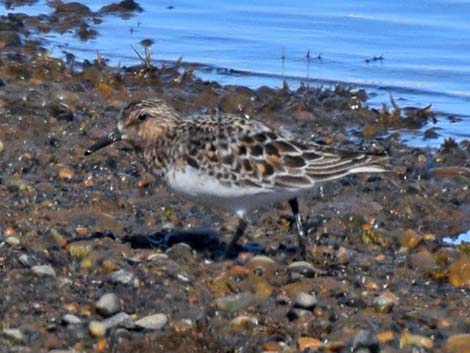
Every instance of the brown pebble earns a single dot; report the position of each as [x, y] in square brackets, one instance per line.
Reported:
[9, 231]
[385, 336]
[458, 343]
[66, 174]
[459, 272]
[409, 239]
[304, 343]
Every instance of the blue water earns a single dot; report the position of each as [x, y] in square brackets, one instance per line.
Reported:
[425, 46]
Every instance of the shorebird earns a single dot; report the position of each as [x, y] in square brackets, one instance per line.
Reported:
[231, 162]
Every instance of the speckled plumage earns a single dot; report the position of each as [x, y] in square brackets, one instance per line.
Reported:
[228, 161]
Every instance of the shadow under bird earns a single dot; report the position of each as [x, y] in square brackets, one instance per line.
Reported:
[230, 162]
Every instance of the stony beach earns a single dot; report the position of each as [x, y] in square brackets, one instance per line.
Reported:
[97, 256]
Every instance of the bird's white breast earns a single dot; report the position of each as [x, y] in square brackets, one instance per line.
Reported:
[209, 191]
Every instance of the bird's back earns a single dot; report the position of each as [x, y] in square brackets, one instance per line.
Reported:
[229, 159]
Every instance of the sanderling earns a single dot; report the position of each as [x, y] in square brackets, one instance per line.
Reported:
[230, 162]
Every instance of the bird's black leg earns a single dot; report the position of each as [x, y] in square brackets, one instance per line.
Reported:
[302, 240]
[242, 225]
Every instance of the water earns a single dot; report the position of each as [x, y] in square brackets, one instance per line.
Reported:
[424, 45]
[461, 238]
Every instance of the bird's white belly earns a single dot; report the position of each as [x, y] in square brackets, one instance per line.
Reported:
[208, 191]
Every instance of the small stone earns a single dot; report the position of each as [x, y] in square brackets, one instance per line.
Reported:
[1, 146]
[407, 339]
[236, 302]
[297, 313]
[25, 260]
[383, 304]
[365, 341]
[261, 264]
[66, 174]
[305, 301]
[343, 256]
[152, 322]
[12, 241]
[409, 239]
[97, 329]
[71, 319]
[120, 319]
[458, 343]
[459, 272]
[13, 334]
[303, 268]
[180, 251]
[121, 276]
[244, 321]
[108, 304]
[43, 270]
[304, 343]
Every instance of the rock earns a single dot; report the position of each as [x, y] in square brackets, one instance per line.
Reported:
[120, 319]
[1, 147]
[108, 304]
[409, 239]
[152, 322]
[12, 241]
[236, 302]
[297, 313]
[180, 251]
[43, 271]
[244, 321]
[13, 334]
[407, 339]
[383, 304]
[70, 319]
[97, 329]
[304, 268]
[310, 343]
[261, 264]
[459, 272]
[121, 276]
[458, 343]
[305, 301]
[365, 341]
[25, 260]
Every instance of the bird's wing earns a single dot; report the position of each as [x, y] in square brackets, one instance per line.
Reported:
[248, 153]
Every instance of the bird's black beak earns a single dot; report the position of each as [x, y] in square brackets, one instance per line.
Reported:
[104, 141]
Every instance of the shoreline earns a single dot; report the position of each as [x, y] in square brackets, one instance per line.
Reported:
[379, 273]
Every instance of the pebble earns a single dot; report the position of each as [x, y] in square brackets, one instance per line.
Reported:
[244, 321]
[120, 319]
[303, 268]
[261, 264]
[234, 302]
[459, 272]
[409, 239]
[108, 304]
[25, 260]
[297, 313]
[43, 270]
[97, 329]
[365, 341]
[121, 276]
[12, 241]
[1, 146]
[180, 251]
[152, 322]
[305, 301]
[458, 343]
[13, 334]
[383, 304]
[310, 343]
[71, 319]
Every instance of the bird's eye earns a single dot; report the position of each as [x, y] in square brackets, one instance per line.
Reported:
[142, 116]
